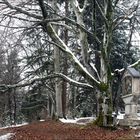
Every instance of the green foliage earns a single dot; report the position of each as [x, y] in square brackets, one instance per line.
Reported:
[85, 103]
[33, 104]
[31, 113]
[103, 86]
[100, 100]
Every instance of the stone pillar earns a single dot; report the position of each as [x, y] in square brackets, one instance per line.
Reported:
[131, 110]
[127, 109]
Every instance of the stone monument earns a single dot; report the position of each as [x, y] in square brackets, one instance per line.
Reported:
[131, 95]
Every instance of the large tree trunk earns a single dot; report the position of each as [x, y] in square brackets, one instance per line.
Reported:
[58, 83]
[105, 64]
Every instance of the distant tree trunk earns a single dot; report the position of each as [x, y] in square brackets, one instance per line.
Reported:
[73, 101]
[15, 107]
[97, 49]
[58, 82]
[10, 106]
[64, 101]
[64, 91]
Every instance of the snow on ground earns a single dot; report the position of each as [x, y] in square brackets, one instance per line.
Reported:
[6, 136]
[82, 121]
[41, 120]
[86, 120]
[68, 120]
[17, 125]
[120, 116]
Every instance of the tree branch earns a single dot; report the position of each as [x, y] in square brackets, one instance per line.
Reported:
[130, 66]
[117, 21]
[21, 10]
[56, 39]
[4, 87]
[73, 23]
[102, 13]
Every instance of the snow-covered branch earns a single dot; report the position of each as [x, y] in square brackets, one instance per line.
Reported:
[71, 81]
[63, 25]
[85, 4]
[132, 65]
[56, 39]
[135, 64]
[71, 22]
[4, 87]
[76, 4]
[20, 10]
[94, 68]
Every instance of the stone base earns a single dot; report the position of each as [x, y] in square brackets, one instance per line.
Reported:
[131, 116]
[129, 122]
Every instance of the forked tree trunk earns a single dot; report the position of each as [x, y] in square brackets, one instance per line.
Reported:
[105, 64]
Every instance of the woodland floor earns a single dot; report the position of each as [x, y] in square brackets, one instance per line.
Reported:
[51, 130]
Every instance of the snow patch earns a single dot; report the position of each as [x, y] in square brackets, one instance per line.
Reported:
[68, 120]
[137, 136]
[81, 121]
[120, 116]
[42, 120]
[17, 125]
[6, 136]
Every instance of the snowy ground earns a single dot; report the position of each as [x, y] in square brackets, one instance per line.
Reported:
[120, 116]
[9, 135]
[6, 136]
[81, 121]
[85, 120]
[17, 125]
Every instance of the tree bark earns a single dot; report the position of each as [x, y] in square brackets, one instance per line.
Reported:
[105, 54]
[58, 82]
[82, 35]
[64, 86]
